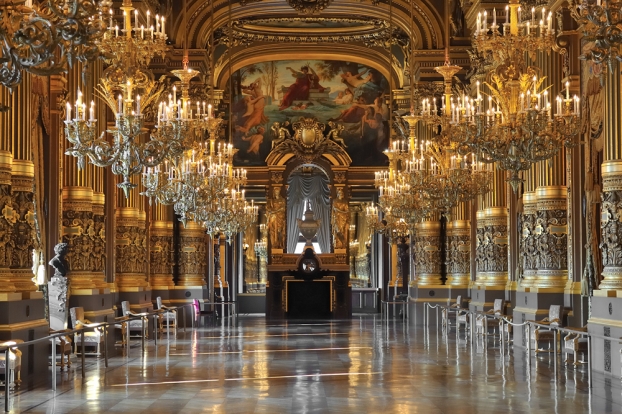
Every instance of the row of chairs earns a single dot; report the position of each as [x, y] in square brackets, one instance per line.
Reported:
[65, 346]
[542, 339]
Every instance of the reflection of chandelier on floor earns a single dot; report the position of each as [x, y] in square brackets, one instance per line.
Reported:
[44, 38]
[127, 89]
[516, 126]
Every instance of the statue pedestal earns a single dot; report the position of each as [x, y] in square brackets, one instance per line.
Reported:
[58, 293]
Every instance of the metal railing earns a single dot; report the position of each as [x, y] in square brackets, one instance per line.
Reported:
[90, 327]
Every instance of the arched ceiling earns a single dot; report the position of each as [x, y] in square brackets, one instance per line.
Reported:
[281, 27]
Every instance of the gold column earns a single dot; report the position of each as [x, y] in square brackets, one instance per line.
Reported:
[161, 249]
[612, 182]
[130, 242]
[492, 251]
[427, 253]
[550, 232]
[192, 255]
[80, 230]
[21, 212]
[459, 246]
[529, 252]
[7, 287]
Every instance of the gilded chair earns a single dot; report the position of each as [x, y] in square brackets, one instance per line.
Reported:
[15, 364]
[461, 315]
[540, 335]
[575, 344]
[482, 320]
[141, 326]
[198, 313]
[63, 348]
[166, 316]
[92, 339]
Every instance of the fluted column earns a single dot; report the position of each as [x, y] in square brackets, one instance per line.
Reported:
[192, 255]
[459, 247]
[130, 243]
[492, 251]
[611, 230]
[161, 249]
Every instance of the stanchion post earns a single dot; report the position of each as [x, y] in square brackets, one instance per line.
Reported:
[127, 333]
[555, 351]
[6, 379]
[106, 346]
[142, 337]
[155, 329]
[184, 316]
[82, 356]
[53, 364]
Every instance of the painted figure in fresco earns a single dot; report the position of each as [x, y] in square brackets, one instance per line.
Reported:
[357, 80]
[353, 114]
[340, 217]
[306, 79]
[344, 97]
[254, 103]
[58, 262]
[335, 131]
[255, 141]
[280, 133]
[275, 214]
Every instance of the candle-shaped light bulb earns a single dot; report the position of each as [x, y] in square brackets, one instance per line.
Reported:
[68, 112]
[567, 90]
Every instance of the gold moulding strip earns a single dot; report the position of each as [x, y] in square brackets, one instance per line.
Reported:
[99, 203]
[6, 163]
[161, 227]
[481, 219]
[612, 175]
[78, 195]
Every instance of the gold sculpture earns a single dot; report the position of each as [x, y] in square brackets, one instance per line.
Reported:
[275, 212]
[340, 218]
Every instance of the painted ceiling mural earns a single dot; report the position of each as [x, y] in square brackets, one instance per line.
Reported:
[272, 95]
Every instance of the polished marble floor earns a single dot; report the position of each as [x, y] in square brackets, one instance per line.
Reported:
[357, 366]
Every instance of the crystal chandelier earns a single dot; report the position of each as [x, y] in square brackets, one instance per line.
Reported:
[127, 88]
[601, 22]
[516, 126]
[45, 37]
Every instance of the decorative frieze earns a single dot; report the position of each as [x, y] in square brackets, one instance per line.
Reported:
[492, 249]
[130, 249]
[529, 255]
[426, 253]
[161, 254]
[192, 255]
[458, 248]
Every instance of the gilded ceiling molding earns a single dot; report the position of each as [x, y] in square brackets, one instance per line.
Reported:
[281, 51]
[308, 6]
[425, 27]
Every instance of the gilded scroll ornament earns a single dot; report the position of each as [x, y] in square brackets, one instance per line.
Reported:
[458, 254]
[130, 249]
[552, 245]
[308, 6]
[426, 255]
[308, 142]
[611, 230]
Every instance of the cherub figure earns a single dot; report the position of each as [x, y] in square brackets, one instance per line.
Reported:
[280, 133]
[335, 131]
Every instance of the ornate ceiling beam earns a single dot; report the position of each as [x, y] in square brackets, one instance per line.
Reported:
[265, 52]
[426, 28]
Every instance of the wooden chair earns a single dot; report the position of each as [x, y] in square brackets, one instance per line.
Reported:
[94, 338]
[462, 317]
[574, 344]
[481, 321]
[166, 314]
[63, 348]
[546, 336]
[136, 325]
[199, 314]
[15, 365]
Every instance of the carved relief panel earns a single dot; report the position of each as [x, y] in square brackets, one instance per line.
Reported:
[131, 250]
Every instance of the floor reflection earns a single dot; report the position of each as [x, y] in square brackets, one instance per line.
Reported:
[357, 366]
